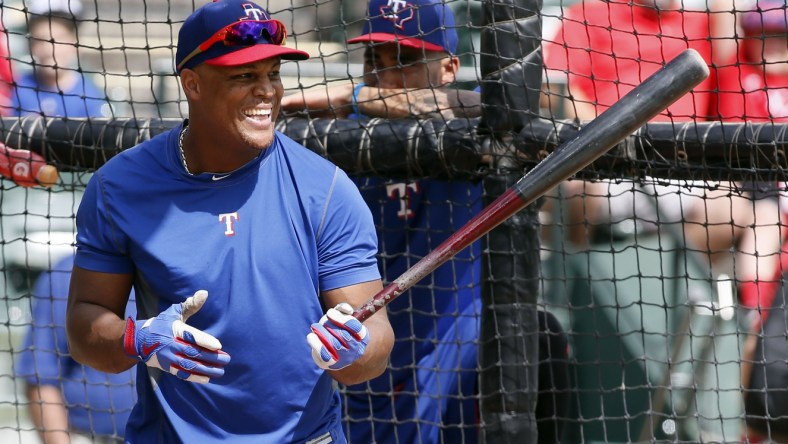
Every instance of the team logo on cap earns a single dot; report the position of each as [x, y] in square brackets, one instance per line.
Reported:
[253, 12]
[397, 12]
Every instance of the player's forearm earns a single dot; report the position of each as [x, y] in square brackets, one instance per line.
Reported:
[48, 412]
[332, 102]
[427, 102]
[95, 338]
[386, 103]
[376, 356]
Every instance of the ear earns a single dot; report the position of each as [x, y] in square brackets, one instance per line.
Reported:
[450, 66]
[190, 82]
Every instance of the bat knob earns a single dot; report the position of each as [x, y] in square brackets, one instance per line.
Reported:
[47, 176]
[344, 308]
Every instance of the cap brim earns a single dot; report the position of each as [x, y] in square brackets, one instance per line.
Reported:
[256, 53]
[382, 37]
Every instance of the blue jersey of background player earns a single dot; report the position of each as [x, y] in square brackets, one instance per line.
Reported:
[98, 403]
[432, 377]
[244, 234]
[81, 99]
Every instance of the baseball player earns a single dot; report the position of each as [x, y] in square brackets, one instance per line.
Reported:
[236, 239]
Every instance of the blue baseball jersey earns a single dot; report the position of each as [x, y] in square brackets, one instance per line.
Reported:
[433, 373]
[264, 241]
[83, 99]
[98, 403]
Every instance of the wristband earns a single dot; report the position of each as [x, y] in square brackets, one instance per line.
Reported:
[129, 340]
[354, 100]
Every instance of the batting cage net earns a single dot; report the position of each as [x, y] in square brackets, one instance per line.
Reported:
[641, 300]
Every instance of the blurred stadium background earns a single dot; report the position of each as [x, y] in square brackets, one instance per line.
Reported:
[655, 336]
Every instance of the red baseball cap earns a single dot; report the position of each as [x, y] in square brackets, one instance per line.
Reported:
[256, 36]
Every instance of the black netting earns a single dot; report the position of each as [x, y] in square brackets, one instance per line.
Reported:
[626, 304]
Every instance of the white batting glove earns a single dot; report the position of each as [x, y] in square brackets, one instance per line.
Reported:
[339, 339]
[167, 343]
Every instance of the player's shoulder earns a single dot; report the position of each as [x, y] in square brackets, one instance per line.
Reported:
[304, 160]
[24, 94]
[140, 163]
[314, 175]
[25, 81]
[142, 157]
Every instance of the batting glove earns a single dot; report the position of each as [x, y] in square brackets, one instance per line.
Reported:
[167, 343]
[339, 339]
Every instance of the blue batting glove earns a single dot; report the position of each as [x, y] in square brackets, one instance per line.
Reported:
[339, 339]
[167, 343]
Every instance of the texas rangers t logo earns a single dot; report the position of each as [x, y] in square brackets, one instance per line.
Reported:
[392, 12]
[229, 220]
[402, 192]
[252, 12]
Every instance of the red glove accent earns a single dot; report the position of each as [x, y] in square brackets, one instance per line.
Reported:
[129, 344]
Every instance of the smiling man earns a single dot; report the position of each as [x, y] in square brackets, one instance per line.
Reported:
[234, 238]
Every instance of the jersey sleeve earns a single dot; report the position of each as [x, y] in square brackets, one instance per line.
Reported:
[101, 246]
[347, 242]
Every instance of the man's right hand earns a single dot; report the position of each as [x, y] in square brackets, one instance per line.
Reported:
[167, 343]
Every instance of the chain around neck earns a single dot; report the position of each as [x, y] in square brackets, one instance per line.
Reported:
[183, 155]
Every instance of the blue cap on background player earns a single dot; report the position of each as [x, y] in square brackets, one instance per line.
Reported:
[427, 24]
[231, 33]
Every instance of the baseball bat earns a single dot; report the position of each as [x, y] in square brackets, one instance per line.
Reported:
[595, 138]
[26, 168]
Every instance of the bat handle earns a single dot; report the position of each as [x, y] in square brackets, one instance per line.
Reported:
[378, 301]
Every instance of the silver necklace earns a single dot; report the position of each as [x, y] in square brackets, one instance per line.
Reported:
[183, 155]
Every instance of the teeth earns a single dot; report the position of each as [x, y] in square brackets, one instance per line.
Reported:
[258, 112]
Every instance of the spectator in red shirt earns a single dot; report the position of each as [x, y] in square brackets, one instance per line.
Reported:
[603, 50]
[606, 48]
